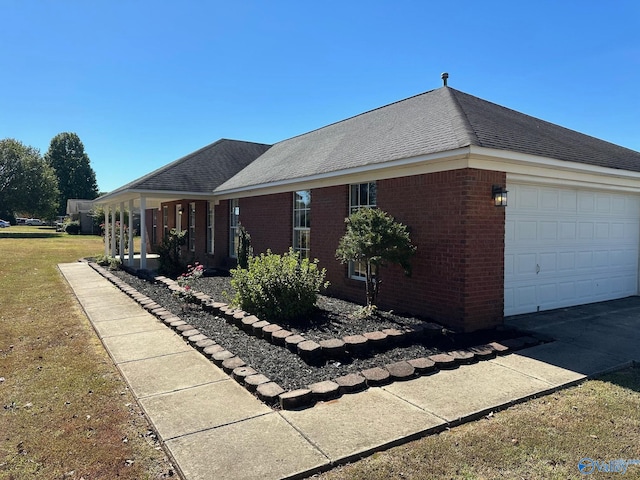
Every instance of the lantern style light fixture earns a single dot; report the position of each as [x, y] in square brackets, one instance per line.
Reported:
[499, 195]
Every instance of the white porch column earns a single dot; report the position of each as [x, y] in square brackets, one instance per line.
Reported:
[121, 244]
[113, 231]
[131, 252]
[143, 233]
[106, 230]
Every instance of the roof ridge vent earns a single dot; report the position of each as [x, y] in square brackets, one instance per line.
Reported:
[445, 77]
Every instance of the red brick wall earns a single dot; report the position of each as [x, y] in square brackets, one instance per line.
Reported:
[458, 269]
[269, 221]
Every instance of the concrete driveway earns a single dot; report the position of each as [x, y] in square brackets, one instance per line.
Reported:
[591, 334]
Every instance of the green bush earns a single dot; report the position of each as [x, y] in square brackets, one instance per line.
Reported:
[278, 288]
[72, 228]
[170, 261]
[112, 263]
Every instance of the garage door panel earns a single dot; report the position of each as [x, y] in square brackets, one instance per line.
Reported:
[548, 262]
[568, 201]
[568, 230]
[566, 291]
[584, 260]
[567, 247]
[567, 261]
[586, 202]
[526, 297]
[526, 264]
[548, 231]
[585, 231]
[602, 231]
[548, 293]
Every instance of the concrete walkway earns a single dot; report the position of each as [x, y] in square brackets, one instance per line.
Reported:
[215, 429]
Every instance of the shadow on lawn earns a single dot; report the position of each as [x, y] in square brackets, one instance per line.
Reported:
[628, 378]
[43, 234]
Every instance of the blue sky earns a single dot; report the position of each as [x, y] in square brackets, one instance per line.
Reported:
[146, 82]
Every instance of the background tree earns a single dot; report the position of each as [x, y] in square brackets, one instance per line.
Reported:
[375, 239]
[76, 178]
[28, 185]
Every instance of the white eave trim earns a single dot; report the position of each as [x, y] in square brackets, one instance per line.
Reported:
[162, 195]
[450, 160]
[517, 166]
[521, 167]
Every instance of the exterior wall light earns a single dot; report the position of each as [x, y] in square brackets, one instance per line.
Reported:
[499, 195]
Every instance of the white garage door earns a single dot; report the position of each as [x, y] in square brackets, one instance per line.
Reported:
[567, 247]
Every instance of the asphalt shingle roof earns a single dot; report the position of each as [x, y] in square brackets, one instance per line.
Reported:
[436, 121]
[201, 171]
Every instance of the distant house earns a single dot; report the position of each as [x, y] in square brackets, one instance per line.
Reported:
[80, 210]
[439, 162]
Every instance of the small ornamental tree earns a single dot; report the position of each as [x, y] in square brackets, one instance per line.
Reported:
[170, 262]
[375, 239]
[245, 251]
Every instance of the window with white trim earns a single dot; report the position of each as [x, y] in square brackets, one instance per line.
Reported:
[154, 227]
[179, 217]
[192, 226]
[302, 222]
[165, 219]
[210, 223]
[234, 224]
[361, 195]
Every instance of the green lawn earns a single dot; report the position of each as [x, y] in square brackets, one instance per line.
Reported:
[66, 413]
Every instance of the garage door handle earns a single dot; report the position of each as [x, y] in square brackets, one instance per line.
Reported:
[537, 269]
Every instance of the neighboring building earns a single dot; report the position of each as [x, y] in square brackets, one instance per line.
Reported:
[569, 235]
[79, 210]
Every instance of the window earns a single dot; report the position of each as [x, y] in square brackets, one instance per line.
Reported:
[192, 226]
[165, 219]
[179, 217]
[361, 195]
[210, 211]
[302, 222]
[154, 227]
[234, 222]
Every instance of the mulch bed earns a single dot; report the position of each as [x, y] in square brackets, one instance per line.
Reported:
[334, 319]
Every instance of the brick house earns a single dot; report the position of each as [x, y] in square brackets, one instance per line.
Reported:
[569, 235]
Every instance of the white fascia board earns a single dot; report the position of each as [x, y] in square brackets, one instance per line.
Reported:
[530, 168]
[158, 195]
[450, 160]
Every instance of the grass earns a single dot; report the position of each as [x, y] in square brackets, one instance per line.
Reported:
[65, 412]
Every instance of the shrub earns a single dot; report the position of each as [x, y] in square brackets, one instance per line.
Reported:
[72, 228]
[170, 261]
[278, 287]
[112, 263]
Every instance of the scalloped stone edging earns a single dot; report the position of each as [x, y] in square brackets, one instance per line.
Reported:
[273, 394]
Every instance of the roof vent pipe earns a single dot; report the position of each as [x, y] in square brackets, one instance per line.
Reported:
[445, 76]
